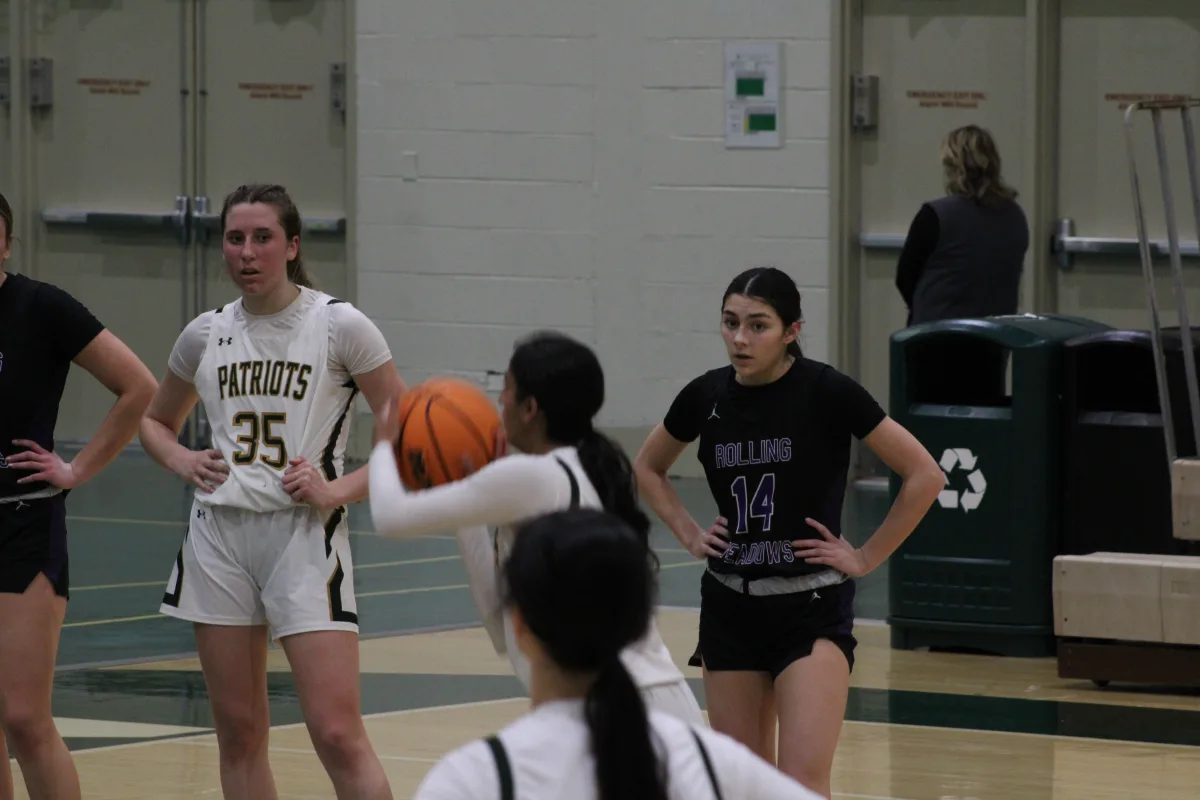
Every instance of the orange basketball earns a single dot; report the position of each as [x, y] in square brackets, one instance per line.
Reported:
[443, 422]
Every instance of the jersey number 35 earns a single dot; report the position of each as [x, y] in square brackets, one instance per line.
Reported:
[261, 433]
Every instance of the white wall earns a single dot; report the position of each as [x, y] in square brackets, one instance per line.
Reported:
[570, 172]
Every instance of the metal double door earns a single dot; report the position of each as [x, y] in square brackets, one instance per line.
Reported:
[925, 68]
[129, 123]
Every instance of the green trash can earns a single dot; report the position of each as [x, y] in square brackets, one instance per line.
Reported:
[975, 575]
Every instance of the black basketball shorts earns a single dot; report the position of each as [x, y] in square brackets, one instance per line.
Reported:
[33, 540]
[766, 633]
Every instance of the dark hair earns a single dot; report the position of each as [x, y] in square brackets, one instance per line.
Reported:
[775, 288]
[584, 588]
[565, 378]
[277, 197]
[6, 214]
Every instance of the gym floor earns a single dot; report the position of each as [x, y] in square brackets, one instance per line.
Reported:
[130, 699]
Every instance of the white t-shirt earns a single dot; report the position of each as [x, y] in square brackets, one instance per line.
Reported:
[506, 491]
[355, 344]
[549, 751]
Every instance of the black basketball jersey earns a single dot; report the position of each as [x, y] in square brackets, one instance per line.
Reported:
[774, 455]
[42, 330]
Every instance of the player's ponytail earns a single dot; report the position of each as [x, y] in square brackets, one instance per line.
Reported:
[559, 580]
[626, 763]
[610, 471]
[277, 197]
[566, 380]
[296, 272]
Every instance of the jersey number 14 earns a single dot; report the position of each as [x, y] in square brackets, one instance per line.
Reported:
[760, 506]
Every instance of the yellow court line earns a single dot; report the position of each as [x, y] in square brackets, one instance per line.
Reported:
[124, 521]
[679, 564]
[90, 622]
[189, 739]
[182, 523]
[413, 590]
[371, 565]
[405, 562]
[204, 739]
[382, 593]
[161, 522]
[131, 585]
[207, 742]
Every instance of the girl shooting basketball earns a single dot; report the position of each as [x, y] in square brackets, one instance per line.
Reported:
[267, 544]
[589, 736]
[776, 609]
[553, 388]
[43, 331]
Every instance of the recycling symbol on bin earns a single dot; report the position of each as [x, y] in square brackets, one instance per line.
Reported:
[969, 499]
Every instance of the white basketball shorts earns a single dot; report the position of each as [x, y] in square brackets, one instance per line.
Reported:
[289, 569]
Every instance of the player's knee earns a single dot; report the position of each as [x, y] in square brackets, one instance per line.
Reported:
[28, 726]
[814, 773]
[339, 738]
[242, 735]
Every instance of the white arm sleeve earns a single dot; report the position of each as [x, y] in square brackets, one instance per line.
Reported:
[507, 490]
[477, 549]
[189, 347]
[468, 773]
[356, 343]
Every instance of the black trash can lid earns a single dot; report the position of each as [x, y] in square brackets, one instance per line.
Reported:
[1012, 330]
[1172, 339]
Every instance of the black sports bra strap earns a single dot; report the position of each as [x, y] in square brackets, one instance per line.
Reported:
[708, 767]
[507, 791]
[574, 483]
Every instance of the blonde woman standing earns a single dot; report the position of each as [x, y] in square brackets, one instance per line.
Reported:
[964, 256]
[965, 251]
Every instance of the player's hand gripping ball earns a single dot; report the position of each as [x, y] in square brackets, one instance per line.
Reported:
[448, 428]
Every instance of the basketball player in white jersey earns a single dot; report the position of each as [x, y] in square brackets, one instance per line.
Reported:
[589, 735]
[267, 547]
[553, 388]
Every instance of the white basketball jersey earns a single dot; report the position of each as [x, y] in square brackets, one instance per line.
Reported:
[270, 398]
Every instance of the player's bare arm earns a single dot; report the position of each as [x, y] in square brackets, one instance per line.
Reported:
[304, 482]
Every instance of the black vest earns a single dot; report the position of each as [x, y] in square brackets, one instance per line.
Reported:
[975, 268]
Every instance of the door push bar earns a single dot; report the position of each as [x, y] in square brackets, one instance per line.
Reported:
[1064, 244]
[189, 214]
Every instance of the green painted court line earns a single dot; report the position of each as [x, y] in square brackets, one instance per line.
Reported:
[1106, 722]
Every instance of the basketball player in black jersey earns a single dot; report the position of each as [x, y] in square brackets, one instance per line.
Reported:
[43, 330]
[776, 610]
